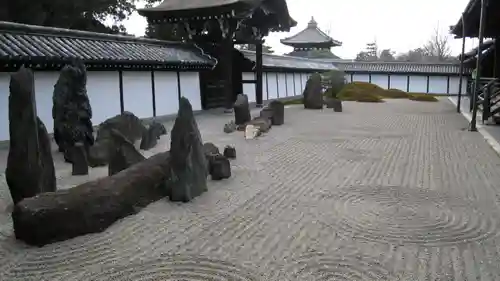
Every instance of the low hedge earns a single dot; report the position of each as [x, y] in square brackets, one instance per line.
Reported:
[427, 98]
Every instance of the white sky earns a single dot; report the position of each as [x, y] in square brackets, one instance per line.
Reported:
[400, 25]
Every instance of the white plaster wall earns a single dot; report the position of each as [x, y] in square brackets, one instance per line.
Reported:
[103, 90]
[361, 78]
[455, 84]
[305, 77]
[4, 105]
[138, 93]
[399, 82]
[44, 89]
[282, 85]
[272, 85]
[166, 93]
[290, 84]
[438, 84]
[190, 88]
[298, 89]
[380, 80]
[418, 84]
[348, 78]
[249, 88]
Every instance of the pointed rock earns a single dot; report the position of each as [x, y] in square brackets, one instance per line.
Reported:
[30, 167]
[188, 162]
[123, 153]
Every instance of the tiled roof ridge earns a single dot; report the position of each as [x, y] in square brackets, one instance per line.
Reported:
[393, 62]
[13, 27]
[284, 56]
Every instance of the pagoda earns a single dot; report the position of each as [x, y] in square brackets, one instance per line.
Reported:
[215, 26]
[311, 42]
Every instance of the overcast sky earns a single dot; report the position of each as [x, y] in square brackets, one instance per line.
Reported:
[400, 25]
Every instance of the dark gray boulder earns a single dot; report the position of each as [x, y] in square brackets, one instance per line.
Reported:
[313, 93]
[264, 124]
[123, 153]
[98, 154]
[266, 112]
[126, 123]
[241, 110]
[150, 138]
[188, 161]
[93, 206]
[336, 104]
[220, 168]
[79, 160]
[158, 128]
[30, 167]
[210, 149]
[278, 112]
[71, 109]
[230, 152]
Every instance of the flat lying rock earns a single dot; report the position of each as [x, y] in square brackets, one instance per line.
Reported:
[30, 167]
[189, 164]
[126, 123]
[92, 206]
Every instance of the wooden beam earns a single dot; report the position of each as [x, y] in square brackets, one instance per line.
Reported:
[258, 74]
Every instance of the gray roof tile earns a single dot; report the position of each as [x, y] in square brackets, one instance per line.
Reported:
[398, 67]
[278, 61]
[20, 42]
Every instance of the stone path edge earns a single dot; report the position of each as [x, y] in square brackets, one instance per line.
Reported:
[487, 136]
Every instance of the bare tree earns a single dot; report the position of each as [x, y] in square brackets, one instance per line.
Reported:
[438, 47]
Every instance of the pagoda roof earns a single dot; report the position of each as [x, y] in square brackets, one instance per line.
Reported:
[311, 36]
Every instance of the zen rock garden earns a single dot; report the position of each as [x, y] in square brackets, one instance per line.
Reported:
[43, 215]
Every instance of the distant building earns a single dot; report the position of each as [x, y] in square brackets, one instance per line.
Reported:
[311, 42]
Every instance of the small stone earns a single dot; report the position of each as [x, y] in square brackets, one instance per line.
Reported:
[336, 104]
[241, 110]
[210, 148]
[278, 115]
[230, 152]
[229, 127]
[220, 168]
[79, 160]
[264, 124]
[251, 132]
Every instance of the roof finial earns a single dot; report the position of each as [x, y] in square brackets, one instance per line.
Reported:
[312, 23]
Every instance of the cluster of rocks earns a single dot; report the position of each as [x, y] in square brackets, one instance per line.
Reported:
[133, 183]
[313, 95]
[272, 114]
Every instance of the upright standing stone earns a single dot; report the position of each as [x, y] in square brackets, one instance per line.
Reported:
[241, 110]
[220, 168]
[150, 138]
[71, 109]
[278, 109]
[30, 169]
[230, 152]
[79, 160]
[313, 94]
[188, 162]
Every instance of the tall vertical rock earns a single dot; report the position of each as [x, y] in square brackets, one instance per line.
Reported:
[188, 162]
[71, 109]
[30, 168]
[313, 94]
[241, 110]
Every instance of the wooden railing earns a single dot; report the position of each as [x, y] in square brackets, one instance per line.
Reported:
[488, 97]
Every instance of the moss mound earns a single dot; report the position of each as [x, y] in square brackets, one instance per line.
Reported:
[361, 91]
[427, 98]
[394, 94]
[293, 101]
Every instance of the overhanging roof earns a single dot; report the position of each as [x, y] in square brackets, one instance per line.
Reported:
[471, 19]
[20, 43]
[311, 36]
[485, 46]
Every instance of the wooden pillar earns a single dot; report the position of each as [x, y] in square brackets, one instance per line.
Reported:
[496, 67]
[461, 77]
[258, 74]
[120, 85]
[153, 92]
[226, 61]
